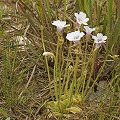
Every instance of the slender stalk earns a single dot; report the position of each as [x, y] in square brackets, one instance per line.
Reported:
[66, 69]
[81, 77]
[55, 82]
[73, 84]
[66, 86]
[85, 66]
[55, 2]
[46, 62]
[64, 9]
[59, 73]
[48, 7]
[75, 72]
[56, 71]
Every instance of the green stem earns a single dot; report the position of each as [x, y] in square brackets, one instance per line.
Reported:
[80, 78]
[75, 72]
[66, 86]
[56, 67]
[55, 82]
[85, 67]
[64, 9]
[55, 2]
[46, 62]
[66, 69]
[59, 73]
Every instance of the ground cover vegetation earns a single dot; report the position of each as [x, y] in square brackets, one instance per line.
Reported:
[59, 60]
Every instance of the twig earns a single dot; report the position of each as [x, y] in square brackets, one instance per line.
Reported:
[19, 112]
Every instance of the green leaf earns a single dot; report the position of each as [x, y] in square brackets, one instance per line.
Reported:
[74, 110]
[7, 118]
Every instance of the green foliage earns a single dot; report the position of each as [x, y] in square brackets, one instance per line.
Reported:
[64, 107]
[8, 77]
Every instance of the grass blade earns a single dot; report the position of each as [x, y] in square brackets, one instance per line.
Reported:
[117, 31]
[109, 24]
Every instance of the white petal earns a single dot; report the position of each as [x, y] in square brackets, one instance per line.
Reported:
[79, 21]
[76, 15]
[67, 25]
[86, 19]
[97, 41]
[83, 15]
[62, 23]
[94, 37]
[102, 41]
[86, 27]
[99, 35]
[46, 53]
[59, 23]
[84, 23]
[82, 34]
[93, 29]
[104, 37]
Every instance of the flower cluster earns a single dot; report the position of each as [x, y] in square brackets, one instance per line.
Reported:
[77, 35]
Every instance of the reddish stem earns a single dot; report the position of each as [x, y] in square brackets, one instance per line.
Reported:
[96, 68]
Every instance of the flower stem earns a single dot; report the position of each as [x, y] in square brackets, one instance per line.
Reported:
[59, 73]
[46, 62]
[56, 67]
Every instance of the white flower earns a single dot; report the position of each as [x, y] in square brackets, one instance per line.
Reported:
[81, 18]
[47, 54]
[99, 40]
[60, 25]
[75, 36]
[89, 30]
